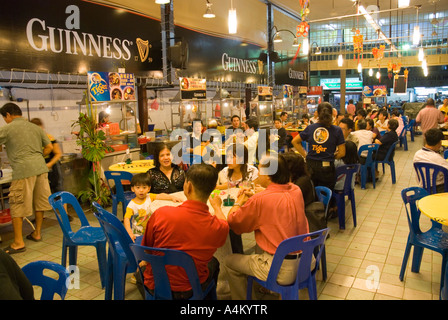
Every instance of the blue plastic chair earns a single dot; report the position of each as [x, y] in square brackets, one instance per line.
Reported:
[403, 138]
[120, 196]
[434, 239]
[389, 159]
[85, 236]
[306, 275]
[427, 174]
[444, 291]
[121, 260]
[445, 154]
[369, 164]
[306, 146]
[324, 195]
[411, 128]
[34, 271]
[159, 258]
[348, 170]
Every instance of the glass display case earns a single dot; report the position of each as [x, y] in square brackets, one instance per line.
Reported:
[225, 105]
[183, 112]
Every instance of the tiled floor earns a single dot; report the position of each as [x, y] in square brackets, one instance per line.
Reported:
[363, 262]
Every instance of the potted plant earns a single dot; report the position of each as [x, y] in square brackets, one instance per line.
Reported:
[93, 148]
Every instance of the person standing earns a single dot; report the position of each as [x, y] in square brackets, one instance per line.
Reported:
[326, 143]
[444, 107]
[351, 108]
[26, 145]
[429, 117]
[251, 131]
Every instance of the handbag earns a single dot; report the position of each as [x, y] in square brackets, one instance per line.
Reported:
[316, 215]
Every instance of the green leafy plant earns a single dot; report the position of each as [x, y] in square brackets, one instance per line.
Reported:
[93, 148]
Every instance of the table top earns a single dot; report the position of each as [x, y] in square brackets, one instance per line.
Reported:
[445, 143]
[222, 193]
[137, 166]
[434, 206]
[295, 129]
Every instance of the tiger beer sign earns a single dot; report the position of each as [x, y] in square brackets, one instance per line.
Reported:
[75, 36]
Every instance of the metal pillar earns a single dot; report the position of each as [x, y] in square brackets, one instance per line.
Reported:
[167, 24]
[270, 26]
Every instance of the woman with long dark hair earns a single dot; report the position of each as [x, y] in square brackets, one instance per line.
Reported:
[166, 177]
[326, 143]
[238, 171]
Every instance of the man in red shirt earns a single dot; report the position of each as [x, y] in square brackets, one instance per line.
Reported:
[275, 214]
[190, 228]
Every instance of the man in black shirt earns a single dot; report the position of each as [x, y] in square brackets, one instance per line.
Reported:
[281, 133]
[387, 140]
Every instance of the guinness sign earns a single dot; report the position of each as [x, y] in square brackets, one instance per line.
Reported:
[76, 36]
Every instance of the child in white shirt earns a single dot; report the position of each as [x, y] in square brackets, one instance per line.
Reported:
[139, 208]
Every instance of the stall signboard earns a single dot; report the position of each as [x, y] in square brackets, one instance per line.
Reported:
[375, 91]
[315, 91]
[265, 93]
[193, 89]
[109, 86]
[303, 90]
[75, 36]
[335, 84]
[288, 91]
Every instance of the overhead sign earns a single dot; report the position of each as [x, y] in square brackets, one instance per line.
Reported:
[315, 91]
[335, 84]
[108, 86]
[265, 93]
[193, 89]
[375, 91]
[74, 36]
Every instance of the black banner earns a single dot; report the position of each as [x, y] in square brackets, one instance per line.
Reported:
[74, 36]
[220, 59]
[292, 71]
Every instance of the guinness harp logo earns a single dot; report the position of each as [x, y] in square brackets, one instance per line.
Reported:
[260, 67]
[143, 49]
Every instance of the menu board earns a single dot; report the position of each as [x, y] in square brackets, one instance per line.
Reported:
[193, 89]
[265, 93]
[375, 91]
[109, 86]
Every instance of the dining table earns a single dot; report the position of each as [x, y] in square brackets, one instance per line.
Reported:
[294, 131]
[134, 167]
[445, 143]
[434, 206]
[226, 249]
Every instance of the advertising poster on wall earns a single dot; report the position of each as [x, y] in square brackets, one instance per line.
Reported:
[109, 86]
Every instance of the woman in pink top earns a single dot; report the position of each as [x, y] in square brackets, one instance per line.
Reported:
[275, 214]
